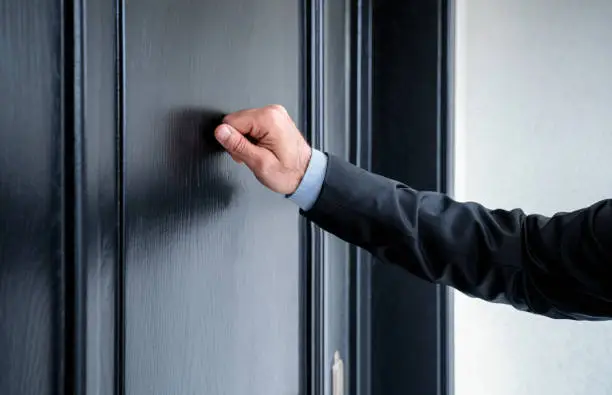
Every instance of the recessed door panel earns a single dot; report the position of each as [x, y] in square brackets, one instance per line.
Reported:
[212, 275]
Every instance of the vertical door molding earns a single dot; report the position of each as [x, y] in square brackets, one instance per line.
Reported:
[73, 184]
[120, 200]
[312, 237]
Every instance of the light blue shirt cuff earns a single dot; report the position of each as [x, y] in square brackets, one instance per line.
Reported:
[308, 191]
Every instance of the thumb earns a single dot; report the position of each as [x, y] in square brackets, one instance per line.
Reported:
[241, 149]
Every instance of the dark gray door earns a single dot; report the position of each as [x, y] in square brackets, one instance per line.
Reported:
[137, 258]
[212, 268]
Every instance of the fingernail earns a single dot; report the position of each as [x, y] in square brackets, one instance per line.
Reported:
[223, 133]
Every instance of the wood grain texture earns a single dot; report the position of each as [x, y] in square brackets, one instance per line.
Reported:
[212, 284]
[30, 166]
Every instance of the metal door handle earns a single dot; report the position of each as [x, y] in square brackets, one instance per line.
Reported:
[338, 375]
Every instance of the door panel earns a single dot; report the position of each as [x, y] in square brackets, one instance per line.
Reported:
[30, 189]
[30, 164]
[212, 271]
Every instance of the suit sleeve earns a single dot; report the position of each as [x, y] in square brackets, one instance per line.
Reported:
[559, 266]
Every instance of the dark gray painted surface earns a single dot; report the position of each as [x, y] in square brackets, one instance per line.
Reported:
[212, 286]
[30, 219]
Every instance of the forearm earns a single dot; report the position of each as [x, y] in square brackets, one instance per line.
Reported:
[560, 266]
[495, 255]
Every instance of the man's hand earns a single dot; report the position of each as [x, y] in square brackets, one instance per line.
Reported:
[275, 151]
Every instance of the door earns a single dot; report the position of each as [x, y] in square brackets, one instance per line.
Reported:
[137, 258]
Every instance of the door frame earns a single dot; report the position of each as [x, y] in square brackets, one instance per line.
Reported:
[371, 88]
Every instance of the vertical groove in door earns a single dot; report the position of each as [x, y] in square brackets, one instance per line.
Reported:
[305, 253]
[73, 237]
[319, 237]
[62, 385]
[120, 84]
[307, 304]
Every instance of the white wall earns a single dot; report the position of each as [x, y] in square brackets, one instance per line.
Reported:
[533, 130]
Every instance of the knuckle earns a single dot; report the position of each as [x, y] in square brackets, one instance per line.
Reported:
[275, 112]
[278, 108]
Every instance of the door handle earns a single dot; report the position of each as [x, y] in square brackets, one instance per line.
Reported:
[338, 375]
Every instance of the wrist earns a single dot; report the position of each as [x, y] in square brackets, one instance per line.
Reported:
[304, 159]
[312, 181]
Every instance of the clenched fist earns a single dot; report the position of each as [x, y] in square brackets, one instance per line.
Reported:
[275, 150]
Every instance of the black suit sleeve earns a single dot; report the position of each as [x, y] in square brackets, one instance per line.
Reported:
[560, 267]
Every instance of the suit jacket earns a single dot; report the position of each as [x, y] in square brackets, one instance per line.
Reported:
[559, 266]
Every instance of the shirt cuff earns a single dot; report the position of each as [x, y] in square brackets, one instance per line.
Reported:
[308, 191]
